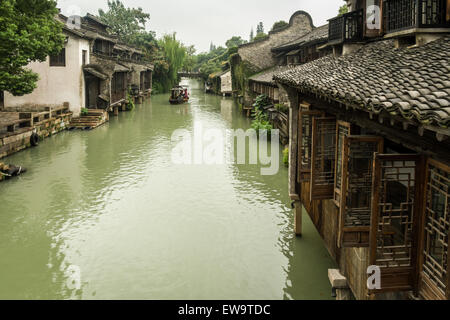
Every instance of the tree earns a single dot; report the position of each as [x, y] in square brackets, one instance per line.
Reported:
[190, 60]
[126, 23]
[234, 42]
[28, 32]
[175, 55]
[252, 35]
[260, 28]
[279, 25]
[343, 10]
[260, 36]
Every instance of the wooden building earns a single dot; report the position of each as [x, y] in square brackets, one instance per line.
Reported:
[370, 146]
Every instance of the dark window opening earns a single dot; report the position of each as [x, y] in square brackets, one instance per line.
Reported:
[58, 60]
[84, 57]
[2, 99]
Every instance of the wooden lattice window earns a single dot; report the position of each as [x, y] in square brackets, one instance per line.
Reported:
[435, 282]
[323, 158]
[343, 129]
[305, 142]
[357, 171]
[396, 206]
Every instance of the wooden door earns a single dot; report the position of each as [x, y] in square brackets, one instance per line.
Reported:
[356, 200]
[395, 223]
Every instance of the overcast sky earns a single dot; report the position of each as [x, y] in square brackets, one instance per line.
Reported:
[200, 22]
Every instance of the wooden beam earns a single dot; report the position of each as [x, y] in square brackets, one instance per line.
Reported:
[409, 137]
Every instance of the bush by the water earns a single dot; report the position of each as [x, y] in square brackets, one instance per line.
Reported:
[261, 122]
[130, 102]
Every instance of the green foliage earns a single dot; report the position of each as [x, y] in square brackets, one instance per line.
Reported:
[260, 28]
[286, 157]
[260, 37]
[130, 102]
[28, 32]
[343, 10]
[279, 25]
[209, 63]
[234, 42]
[127, 23]
[261, 121]
[174, 54]
[84, 111]
[241, 71]
[191, 59]
[262, 101]
[282, 107]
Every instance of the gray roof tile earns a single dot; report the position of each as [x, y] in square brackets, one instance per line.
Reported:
[412, 82]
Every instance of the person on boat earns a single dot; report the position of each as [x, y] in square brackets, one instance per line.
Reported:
[186, 94]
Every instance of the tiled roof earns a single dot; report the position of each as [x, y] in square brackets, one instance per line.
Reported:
[316, 35]
[266, 76]
[411, 82]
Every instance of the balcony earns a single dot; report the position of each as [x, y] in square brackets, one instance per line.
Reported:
[346, 28]
[400, 15]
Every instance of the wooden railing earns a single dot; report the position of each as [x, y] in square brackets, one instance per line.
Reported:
[346, 28]
[406, 14]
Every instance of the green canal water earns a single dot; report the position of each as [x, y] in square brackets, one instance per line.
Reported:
[105, 214]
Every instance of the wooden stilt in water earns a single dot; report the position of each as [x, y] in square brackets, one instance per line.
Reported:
[116, 111]
[298, 219]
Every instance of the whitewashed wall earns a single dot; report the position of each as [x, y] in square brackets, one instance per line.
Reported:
[57, 85]
[226, 83]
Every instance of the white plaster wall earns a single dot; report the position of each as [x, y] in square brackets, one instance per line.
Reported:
[57, 85]
[226, 83]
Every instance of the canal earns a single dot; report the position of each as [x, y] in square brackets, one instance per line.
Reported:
[105, 214]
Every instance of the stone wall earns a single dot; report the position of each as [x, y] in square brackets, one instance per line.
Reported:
[16, 142]
[259, 53]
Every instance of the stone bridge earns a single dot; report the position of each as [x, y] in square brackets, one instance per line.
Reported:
[190, 74]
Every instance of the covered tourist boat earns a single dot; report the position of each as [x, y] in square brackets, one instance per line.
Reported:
[179, 95]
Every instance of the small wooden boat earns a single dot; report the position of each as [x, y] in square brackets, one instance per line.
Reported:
[179, 95]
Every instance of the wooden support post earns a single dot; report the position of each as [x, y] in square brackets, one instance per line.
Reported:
[116, 111]
[298, 221]
[339, 285]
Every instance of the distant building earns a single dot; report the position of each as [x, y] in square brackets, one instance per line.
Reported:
[257, 56]
[226, 88]
[93, 70]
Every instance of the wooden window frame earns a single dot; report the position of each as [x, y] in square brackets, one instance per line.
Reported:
[427, 288]
[396, 277]
[58, 60]
[318, 189]
[339, 156]
[304, 174]
[354, 237]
